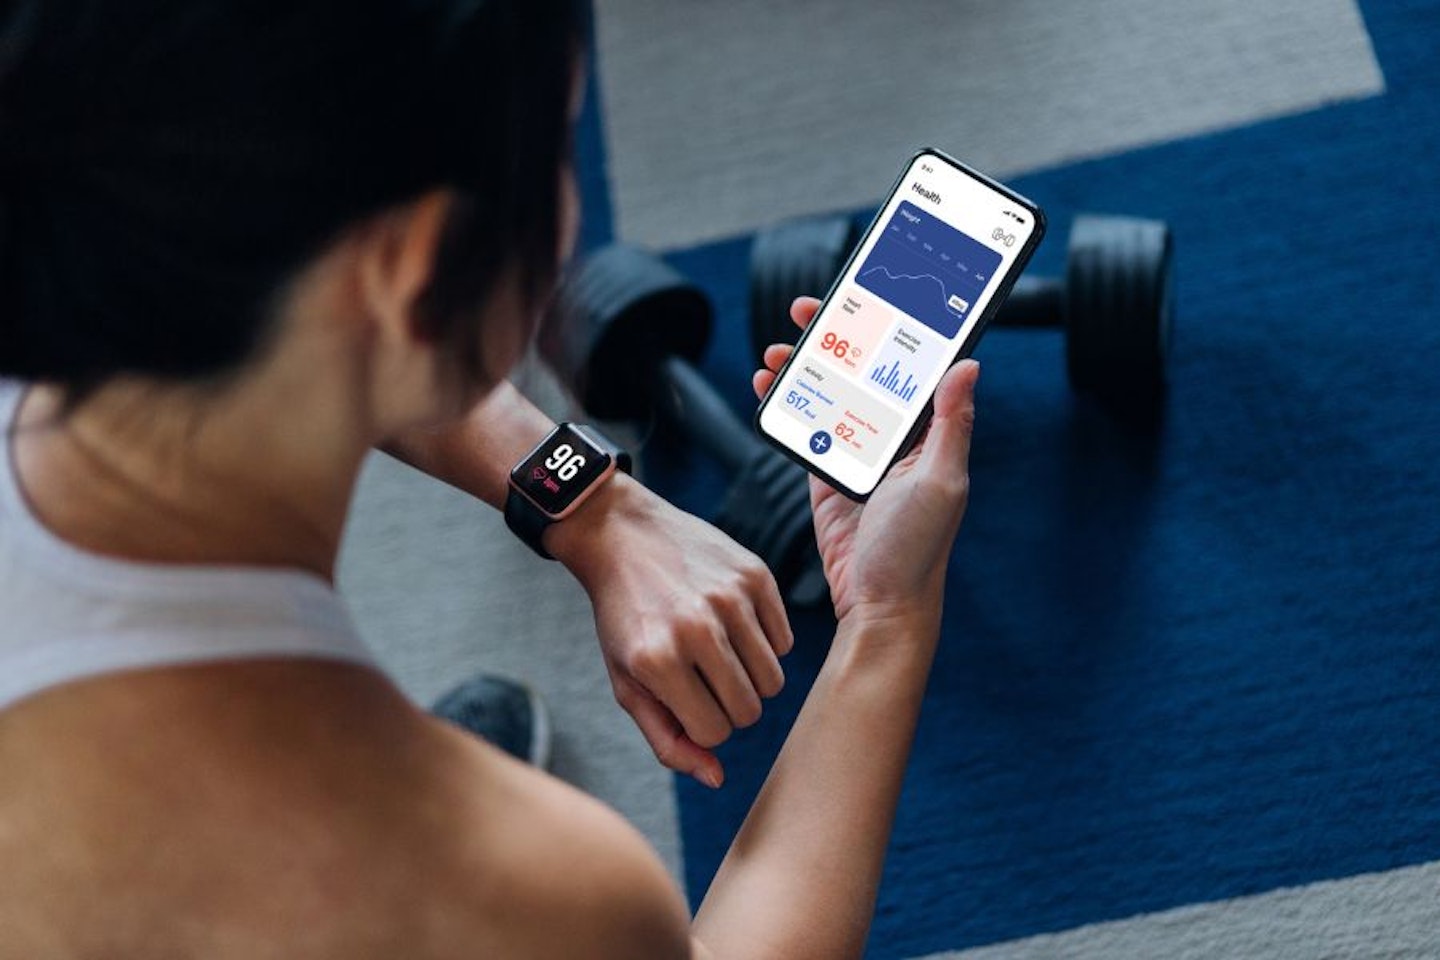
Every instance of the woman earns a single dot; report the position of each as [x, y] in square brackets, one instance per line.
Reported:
[243, 244]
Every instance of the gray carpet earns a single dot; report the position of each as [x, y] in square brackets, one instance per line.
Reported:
[722, 117]
[1394, 915]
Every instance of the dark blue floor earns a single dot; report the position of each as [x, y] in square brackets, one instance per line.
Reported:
[1206, 663]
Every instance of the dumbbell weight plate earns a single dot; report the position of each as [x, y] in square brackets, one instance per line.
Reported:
[1119, 305]
[789, 260]
[617, 312]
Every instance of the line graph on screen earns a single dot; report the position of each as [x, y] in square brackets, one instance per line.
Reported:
[928, 269]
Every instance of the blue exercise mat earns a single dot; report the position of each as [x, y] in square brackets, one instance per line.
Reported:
[1199, 663]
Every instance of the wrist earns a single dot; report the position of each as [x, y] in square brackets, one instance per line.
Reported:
[886, 655]
[910, 616]
[906, 624]
[900, 600]
[584, 541]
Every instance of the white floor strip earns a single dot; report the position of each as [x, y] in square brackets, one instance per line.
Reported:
[1394, 915]
[721, 117]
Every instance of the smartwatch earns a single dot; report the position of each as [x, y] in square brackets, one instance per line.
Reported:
[555, 478]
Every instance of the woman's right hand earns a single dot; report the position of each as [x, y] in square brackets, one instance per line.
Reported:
[887, 557]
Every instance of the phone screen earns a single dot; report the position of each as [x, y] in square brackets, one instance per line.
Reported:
[911, 301]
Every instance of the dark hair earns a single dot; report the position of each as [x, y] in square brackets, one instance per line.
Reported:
[167, 166]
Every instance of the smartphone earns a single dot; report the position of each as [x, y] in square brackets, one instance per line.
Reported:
[932, 269]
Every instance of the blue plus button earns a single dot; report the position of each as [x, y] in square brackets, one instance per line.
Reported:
[820, 442]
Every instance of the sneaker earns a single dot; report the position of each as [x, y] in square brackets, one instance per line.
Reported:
[506, 713]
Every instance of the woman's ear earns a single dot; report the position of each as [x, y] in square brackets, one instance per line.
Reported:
[397, 263]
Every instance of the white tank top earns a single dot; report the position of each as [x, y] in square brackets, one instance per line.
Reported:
[66, 614]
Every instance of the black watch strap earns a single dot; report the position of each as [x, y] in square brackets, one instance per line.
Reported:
[529, 522]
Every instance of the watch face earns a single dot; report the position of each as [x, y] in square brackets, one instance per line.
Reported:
[560, 469]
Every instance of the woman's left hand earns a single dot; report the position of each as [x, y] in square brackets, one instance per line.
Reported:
[691, 624]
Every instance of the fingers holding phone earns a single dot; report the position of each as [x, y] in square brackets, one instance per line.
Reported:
[913, 298]
[802, 311]
[898, 556]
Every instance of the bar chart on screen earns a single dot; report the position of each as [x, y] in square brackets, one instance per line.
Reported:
[889, 379]
[906, 361]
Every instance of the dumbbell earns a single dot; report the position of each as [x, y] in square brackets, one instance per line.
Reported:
[793, 259]
[1115, 301]
[626, 330]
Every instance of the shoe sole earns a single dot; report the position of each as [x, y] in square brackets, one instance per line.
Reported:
[540, 729]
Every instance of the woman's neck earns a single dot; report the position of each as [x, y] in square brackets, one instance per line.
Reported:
[259, 476]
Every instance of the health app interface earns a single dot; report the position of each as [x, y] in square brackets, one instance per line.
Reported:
[896, 321]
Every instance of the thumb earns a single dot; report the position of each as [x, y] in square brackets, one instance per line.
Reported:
[947, 445]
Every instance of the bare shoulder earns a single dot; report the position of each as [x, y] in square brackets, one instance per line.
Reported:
[299, 810]
[536, 868]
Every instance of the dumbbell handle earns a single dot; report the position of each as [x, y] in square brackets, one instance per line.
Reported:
[767, 509]
[687, 401]
[1034, 302]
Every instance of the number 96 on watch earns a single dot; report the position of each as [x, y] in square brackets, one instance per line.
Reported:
[932, 269]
